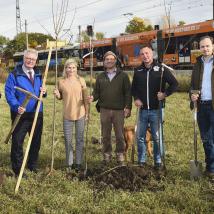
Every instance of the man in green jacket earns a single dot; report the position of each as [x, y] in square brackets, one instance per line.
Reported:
[113, 92]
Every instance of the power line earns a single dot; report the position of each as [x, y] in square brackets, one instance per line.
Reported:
[145, 10]
[156, 16]
[121, 8]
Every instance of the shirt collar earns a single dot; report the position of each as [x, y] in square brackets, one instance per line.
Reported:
[27, 70]
[111, 73]
[209, 61]
[115, 70]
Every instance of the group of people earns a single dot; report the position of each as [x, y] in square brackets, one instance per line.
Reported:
[152, 84]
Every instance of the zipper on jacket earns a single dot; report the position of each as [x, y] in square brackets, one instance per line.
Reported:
[147, 85]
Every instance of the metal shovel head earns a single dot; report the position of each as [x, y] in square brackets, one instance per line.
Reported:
[195, 169]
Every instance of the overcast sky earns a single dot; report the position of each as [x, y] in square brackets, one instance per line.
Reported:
[107, 15]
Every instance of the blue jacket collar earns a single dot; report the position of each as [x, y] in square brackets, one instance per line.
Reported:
[19, 71]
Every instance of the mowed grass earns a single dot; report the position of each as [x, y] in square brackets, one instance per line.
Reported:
[55, 194]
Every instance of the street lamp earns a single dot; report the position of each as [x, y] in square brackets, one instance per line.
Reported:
[127, 14]
[69, 34]
[130, 14]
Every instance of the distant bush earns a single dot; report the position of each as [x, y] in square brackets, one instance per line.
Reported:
[183, 79]
[3, 75]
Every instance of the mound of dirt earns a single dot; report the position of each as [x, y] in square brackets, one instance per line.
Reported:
[133, 178]
[130, 177]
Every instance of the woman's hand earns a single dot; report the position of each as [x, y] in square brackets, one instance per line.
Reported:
[56, 93]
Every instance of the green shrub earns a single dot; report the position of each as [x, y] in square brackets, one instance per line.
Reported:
[3, 75]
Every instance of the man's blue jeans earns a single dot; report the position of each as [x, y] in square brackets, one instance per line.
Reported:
[148, 117]
[206, 127]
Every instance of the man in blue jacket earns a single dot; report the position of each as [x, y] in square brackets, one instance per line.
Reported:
[25, 76]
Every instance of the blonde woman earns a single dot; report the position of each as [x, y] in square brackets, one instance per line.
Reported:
[72, 91]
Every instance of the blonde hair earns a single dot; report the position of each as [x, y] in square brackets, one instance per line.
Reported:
[68, 62]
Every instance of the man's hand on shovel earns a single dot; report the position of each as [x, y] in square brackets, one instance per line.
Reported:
[21, 110]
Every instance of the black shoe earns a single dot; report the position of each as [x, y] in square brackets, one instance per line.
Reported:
[158, 166]
[78, 167]
[141, 164]
[23, 176]
[210, 175]
[34, 170]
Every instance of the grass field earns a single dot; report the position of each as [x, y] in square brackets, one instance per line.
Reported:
[56, 194]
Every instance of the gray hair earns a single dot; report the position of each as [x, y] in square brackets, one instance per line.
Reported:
[32, 51]
[68, 62]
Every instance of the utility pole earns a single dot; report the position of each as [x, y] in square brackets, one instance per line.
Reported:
[18, 18]
[80, 37]
[26, 34]
[80, 49]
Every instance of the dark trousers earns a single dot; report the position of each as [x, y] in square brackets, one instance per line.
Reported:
[23, 127]
[206, 126]
[113, 118]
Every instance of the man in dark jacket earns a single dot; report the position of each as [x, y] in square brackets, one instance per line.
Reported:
[27, 77]
[203, 81]
[148, 88]
[113, 92]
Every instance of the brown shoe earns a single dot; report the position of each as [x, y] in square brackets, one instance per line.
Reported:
[120, 159]
[107, 157]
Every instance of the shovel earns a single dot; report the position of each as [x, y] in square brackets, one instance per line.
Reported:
[160, 133]
[135, 130]
[195, 165]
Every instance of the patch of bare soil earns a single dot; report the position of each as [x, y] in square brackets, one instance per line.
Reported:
[128, 177]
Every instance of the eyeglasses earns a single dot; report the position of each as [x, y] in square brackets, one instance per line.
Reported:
[30, 59]
[110, 59]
